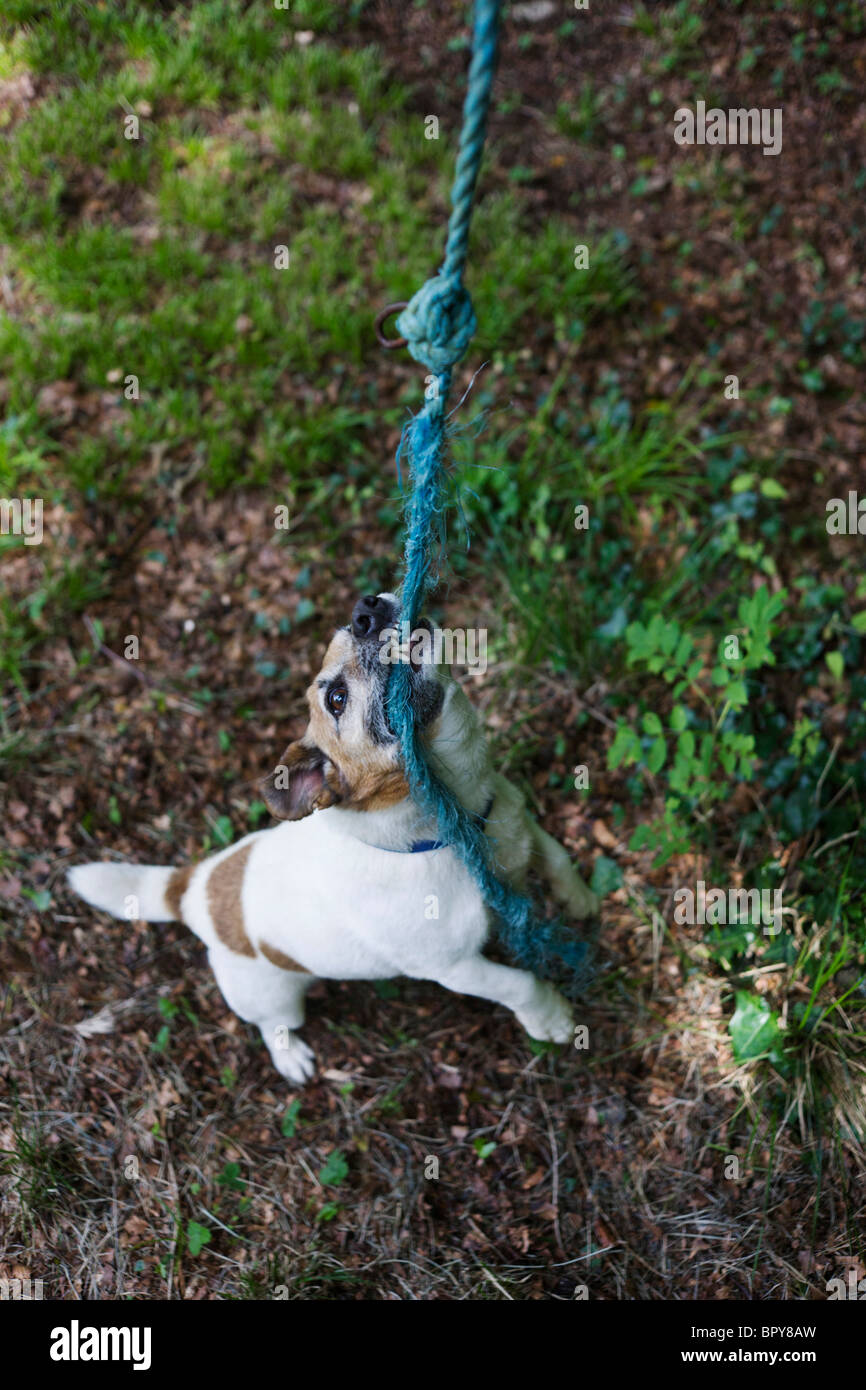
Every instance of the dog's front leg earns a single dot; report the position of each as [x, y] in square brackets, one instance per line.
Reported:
[552, 862]
[539, 1007]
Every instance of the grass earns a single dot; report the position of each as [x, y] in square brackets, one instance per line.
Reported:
[43, 1174]
[177, 315]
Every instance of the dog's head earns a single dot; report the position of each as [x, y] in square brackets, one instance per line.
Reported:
[349, 756]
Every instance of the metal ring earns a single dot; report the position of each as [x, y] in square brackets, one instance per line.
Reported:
[384, 314]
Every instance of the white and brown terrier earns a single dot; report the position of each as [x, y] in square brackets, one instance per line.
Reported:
[355, 885]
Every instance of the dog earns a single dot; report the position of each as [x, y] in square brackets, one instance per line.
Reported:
[354, 885]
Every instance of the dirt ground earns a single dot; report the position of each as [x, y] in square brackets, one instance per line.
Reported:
[140, 1102]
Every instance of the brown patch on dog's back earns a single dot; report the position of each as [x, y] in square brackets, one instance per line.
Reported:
[279, 958]
[177, 886]
[224, 901]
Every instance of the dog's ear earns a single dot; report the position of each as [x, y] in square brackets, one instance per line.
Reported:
[303, 781]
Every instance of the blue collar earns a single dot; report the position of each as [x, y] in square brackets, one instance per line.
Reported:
[422, 846]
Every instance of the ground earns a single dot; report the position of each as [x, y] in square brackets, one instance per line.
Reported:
[166, 390]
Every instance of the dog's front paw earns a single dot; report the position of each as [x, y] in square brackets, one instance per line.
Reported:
[551, 1018]
[293, 1059]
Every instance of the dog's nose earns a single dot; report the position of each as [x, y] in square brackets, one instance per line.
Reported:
[370, 615]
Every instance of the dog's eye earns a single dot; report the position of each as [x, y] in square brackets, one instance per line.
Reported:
[336, 699]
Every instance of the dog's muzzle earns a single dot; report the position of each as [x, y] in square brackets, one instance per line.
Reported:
[371, 615]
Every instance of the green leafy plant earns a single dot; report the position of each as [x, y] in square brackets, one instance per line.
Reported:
[809, 1037]
[170, 1008]
[606, 876]
[197, 1237]
[40, 1172]
[701, 747]
[230, 1177]
[754, 1029]
[335, 1169]
[289, 1123]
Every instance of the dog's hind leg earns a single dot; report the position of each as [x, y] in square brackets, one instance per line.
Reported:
[272, 998]
[555, 867]
[293, 1058]
[552, 862]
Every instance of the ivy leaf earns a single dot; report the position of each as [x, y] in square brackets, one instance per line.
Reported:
[812, 380]
[736, 694]
[290, 1119]
[770, 488]
[686, 746]
[657, 754]
[685, 646]
[40, 898]
[336, 1169]
[754, 1029]
[694, 669]
[625, 746]
[679, 718]
[223, 830]
[231, 1177]
[606, 876]
[197, 1237]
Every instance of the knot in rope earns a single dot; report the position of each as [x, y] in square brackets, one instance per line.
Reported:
[438, 323]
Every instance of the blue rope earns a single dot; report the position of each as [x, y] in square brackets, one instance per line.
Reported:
[438, 324]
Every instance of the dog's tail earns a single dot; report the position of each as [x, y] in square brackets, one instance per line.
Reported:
[138, 892]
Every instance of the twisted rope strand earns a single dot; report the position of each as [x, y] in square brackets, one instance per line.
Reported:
[439, 323]
[472, 135]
